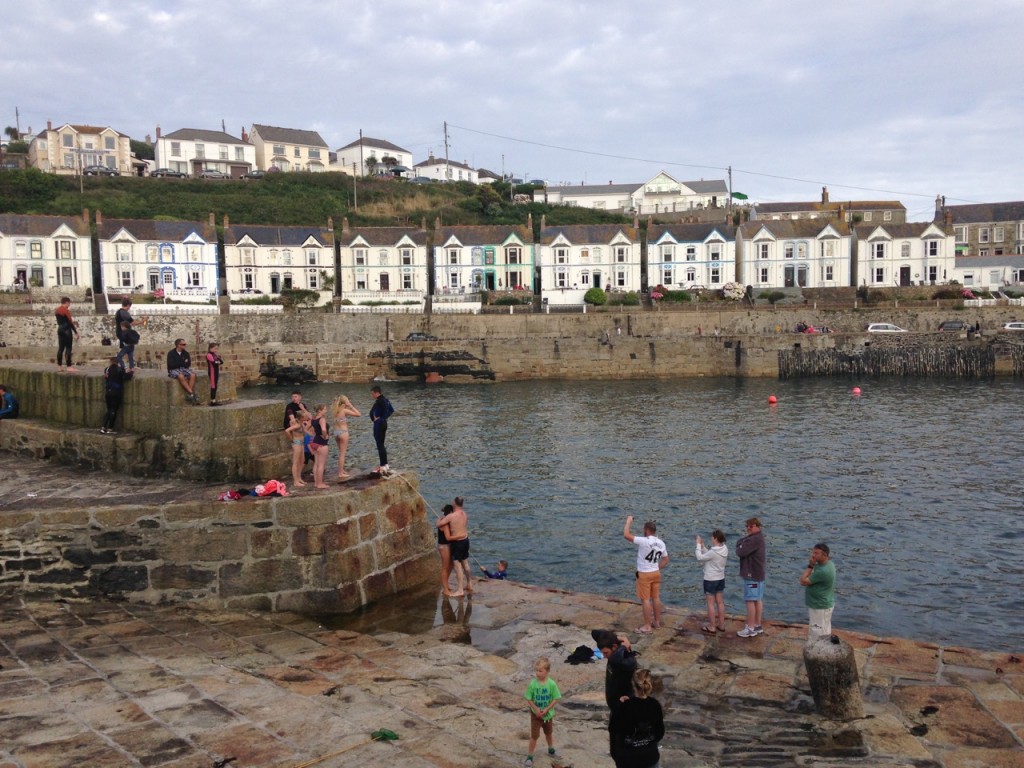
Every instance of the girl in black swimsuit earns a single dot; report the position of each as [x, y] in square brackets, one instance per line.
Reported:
[319, 446]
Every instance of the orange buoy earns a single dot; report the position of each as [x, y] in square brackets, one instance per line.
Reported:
[856, 390]
[772, 399]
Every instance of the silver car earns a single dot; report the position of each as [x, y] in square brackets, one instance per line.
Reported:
[885, 328]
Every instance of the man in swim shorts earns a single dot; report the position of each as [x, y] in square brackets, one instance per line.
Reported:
[458, 544]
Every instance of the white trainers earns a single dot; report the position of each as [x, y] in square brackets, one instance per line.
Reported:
[747, 632]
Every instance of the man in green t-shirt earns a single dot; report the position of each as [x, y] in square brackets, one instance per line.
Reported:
[820, 597]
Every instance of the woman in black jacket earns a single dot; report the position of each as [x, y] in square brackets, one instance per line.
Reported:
[637, 726]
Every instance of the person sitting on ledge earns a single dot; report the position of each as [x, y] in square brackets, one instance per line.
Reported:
[179, 366]
[9, 402]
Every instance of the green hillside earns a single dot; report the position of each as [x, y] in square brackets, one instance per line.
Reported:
[282, 198]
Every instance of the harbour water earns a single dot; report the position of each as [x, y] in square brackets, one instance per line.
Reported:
[916, 486]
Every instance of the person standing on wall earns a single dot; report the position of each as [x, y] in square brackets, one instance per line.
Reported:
[123, 315]
[651, 557]
[114, 378]
[820, 596]
[380, 412]
[753, 558]
[67, 332]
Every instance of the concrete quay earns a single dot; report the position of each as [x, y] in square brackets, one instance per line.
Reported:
[119, 684]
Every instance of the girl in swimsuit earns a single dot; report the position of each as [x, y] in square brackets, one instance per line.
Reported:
[319, 446]
[342, 408]
[295, 432]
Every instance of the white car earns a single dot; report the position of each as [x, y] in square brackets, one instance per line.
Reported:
[885, 328]
[1014, 326]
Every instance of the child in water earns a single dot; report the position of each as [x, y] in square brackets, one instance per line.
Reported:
[500, 573]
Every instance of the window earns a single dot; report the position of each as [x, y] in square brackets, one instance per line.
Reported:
[584, 254]
[248, 256]
[312, 279]
[826, 273]
[193, 252]
[166, 253]
[933, 274]
[108, 142]
[597, 255]
[453, 258]
[513, 255]
[561, 255]
[407, 281]
[314, 154]
[1020, 231]
[489, 255]
[666, 276]
[476, 256]
[20, 249]
[878, 249]
[124, 278]
[560, 278]
[764, 275]
[36, 248]
[279, 149]
[67, 276]
[691, 275]
[382, 256]
[716, 251]
[286, 257]
[124, 251]
[968, 278]
[222, 152]
[69, 160]
[288, 284]
[620, 278]
[239, 153]
[360, 257]
[37, 276]
[905, 250]
[297, 152]
[311, 257]
[200, 150]
[361, 284]
[192, 279]
[788, 251]
[887, 216]
[960, 234]
[620, 254]
[65, 249]
[762, 250]
[667, 252]
[868, 215]
[931, 248]
[453, 280]
[175, 149]
[585, 279]
[983, 235]
[997, 235]
[248, 280]
[67, 140]
[691, 253]
[879, 274]
[406, 256]
[716, 275]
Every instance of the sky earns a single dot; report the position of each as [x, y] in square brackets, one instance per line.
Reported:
[877, 100]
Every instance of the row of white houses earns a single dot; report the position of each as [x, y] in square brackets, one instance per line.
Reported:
[182, 259]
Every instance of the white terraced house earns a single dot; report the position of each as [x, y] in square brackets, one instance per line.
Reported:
[575, 258]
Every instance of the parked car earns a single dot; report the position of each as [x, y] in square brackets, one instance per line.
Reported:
[420, 336]
[212, 175]
[255, 173]
[167, 173]
[421, 180]
[100, 170]
[885, 328]
[1015, 325]
[955, 325]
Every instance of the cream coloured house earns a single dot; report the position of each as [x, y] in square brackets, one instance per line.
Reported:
[45, 251]
[801, 253]
[289, 149]
[177, 258]
[383, 264]
[69, 149]
[261, 259]
[888, 255]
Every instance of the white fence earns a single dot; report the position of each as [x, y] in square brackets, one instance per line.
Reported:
[138, 310]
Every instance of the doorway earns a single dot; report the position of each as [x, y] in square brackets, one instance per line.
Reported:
[904, 276]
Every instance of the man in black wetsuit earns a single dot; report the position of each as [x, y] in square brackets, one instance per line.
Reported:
[380, 412]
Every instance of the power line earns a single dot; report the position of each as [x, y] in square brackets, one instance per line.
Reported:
[761, 174]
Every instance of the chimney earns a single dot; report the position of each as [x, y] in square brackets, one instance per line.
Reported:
[939, 207]
[423, 224]
[330, 223]
[437, 223]
[99, 216]
[948, 218]
[49, 125]
[543, 222]
[245, 136]
[529, 223]
[227, 221]
[824, 195]
[344, 225]
[636, 221]
[158, 134]
[842, 212]
[609, 182]
[213, 219]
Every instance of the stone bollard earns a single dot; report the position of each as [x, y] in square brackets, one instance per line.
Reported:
[832, 673]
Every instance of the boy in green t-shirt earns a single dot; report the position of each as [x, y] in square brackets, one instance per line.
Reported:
[542, 693]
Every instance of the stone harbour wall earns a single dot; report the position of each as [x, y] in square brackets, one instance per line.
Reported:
[325, 553]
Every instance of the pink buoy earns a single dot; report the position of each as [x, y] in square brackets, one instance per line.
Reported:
[856, 390]
[772, 399]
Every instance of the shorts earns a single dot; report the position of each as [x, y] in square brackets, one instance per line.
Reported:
[648, 584]
[537, 724]
[753, 591]
[186, 372]
[712, 587]
[460, 550]
[442, 540]
[315, 446]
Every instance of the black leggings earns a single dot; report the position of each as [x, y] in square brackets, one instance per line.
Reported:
[113, 406]
[65, 340]
[380, 431]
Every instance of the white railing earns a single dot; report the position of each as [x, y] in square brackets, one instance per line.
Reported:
[398, 295]
[981, 302]
[256, 309]
[460, 308]
[169, 309]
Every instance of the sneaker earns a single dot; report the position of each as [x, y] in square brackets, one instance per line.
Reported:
[529, 762]
[747, 632]
[72, 369]
[111, 432]
[103, 430]
[551, 751]
[758, 630]
[386, 469]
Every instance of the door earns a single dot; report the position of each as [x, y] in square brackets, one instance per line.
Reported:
[597, 280]
[385, 281]
[904, 276]
[489, 277]
[789, 277]
[801, 275]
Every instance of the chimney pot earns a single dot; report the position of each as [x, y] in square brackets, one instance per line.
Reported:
[49, 125]
[158, 134]
[227, 221]
[824, 194]
[213, 219]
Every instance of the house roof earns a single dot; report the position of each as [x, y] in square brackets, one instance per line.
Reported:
[86, 129]
[690, 233]
[193, 134]
[13, 224]
[380, 143]
[596, 189]
[788, 229]
[441, 161]
[707, 186]
[156, 230]
[489, 234]
[269, 235]
[289, 135]
[831, 206]
[1014, 261]
[986, 212]
[588, 233]
[381, 236]
[911, 229]
[483, 173]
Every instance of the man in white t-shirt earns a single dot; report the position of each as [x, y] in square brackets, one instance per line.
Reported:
[651, 557]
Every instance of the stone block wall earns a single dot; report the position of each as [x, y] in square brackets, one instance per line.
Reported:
[323, 553]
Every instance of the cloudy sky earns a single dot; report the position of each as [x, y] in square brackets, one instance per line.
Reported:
[879, 99]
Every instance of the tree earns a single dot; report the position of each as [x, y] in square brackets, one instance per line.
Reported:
[142, 150]
[595, 296]
[11, 133]
[389, 161]
[371, 164]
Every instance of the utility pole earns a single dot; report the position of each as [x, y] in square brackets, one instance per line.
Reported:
[355, 191]
[447, 168]
[728, 210]
[362, 167]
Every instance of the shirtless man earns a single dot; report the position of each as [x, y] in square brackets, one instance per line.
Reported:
[458, 543]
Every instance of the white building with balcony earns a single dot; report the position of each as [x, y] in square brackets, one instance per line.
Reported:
[176, 260]
[383, 264]
[261, 259]
[497, 257]
[194, 150]
[575, 258]
[684, 256]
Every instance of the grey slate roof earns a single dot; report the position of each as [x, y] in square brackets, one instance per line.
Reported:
[379, 143]
[441, 161]
[382, 236]
[199, 134]
[982, 213]
[707, 186]
[596, 189]
[272, 133]
[831, 206]
[787, 229]
[13, 224]
[156, 230]
[1015, 261]
[270, 235]
[690, 233]
[910, 229]
[588, 233]
[487, 234]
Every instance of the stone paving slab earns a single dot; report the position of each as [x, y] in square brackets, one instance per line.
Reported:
[133, 685]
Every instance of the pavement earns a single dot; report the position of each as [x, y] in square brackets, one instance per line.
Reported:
[117, 684]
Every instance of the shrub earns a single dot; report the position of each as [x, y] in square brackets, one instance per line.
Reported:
[947, 293]
[775, 297]
[595, 296]
[678, 296]
[631, 299]
[299, 297]
[509, 301]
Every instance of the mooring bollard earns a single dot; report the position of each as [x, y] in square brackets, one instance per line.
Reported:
[832, 673]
